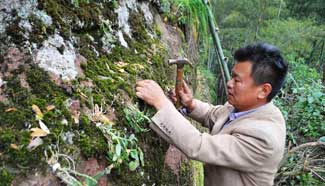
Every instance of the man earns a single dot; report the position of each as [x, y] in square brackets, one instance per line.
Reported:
[247, 134]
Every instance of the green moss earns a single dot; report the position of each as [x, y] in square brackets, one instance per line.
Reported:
[91, 140]
[138, 28]
[157, 30]
[15, 124]
[198, 172]
[20, 157]
[16, 119]
[16, 32]
[5, 177]
[42, 86]
[82, 19]
[15, 92]
[40, 31]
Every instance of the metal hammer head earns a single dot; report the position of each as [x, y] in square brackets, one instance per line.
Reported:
[180, 62]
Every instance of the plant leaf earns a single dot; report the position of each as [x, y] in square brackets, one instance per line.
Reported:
[38, 112]
[43, 127]
[118, 149]
[134, 154]
[14, 146]
[37, 132]
[34, 143]
[141, 155]
[12, 109]
[133, 165]
[50, 107]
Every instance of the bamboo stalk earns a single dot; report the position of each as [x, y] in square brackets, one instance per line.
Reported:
[217, 43]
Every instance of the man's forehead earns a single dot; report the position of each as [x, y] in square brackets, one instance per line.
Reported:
[242, 68]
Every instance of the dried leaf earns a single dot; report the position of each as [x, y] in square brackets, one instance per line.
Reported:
[11, 109]
[50, 107]
[35, 142]
[83, 95]
[75, 117]
[105, 120]
[38, 112]
[121, 64]
[14, 146]
[138, 66]
[99, 116]
[37, 132]
[43, 127]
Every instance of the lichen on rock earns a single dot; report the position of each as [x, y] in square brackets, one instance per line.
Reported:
[57, 57]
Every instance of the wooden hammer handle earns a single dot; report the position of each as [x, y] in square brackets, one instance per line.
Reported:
[179, 85]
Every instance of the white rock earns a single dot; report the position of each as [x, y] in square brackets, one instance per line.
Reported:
[144, 6]
[1, 82]
[123, 19]
[121, 39]
[50, 59]
[46, 19]
[25, 24]
[68, 137]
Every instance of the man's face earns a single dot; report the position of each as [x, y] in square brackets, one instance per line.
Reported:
[242, 91]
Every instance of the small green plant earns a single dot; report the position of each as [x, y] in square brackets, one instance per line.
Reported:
[6, 177]
[165, 6]
[64, 168]
[77, 3]
[136, 119]
[122, 148]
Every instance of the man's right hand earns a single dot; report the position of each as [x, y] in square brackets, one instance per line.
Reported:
[186, 97]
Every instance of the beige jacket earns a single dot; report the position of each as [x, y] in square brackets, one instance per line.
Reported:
[245, 152]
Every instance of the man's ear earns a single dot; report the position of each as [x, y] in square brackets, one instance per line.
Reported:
[265, 90]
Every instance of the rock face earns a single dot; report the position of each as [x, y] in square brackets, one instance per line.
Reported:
[60, 64]
[68, 70]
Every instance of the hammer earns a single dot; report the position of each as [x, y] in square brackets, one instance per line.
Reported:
[180, 62]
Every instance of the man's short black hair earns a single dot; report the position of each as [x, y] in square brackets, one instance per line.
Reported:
[268, 65]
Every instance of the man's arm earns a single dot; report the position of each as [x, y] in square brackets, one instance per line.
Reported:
[205, 113]
[241, 151]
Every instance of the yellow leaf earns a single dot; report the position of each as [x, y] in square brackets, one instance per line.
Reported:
[138, 66]
[121, 70]
[14, 146]
[38, 112]
[83, 95]
[37, 132]
[121, 64]
[50, 107]
[75, 117]
[105, 120]
[11, 109]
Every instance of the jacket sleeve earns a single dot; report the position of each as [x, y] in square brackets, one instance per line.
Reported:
[241, 151]
[205, 113]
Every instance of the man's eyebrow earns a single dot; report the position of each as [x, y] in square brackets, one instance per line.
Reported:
[233, 73]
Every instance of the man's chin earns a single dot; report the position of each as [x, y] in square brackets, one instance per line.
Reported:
[229, 100]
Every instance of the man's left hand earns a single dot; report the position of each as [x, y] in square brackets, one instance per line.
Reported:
[150, 92]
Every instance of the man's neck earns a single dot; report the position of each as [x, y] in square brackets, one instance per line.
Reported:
[251, 107]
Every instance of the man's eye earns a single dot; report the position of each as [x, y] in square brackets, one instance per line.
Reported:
[236, 80]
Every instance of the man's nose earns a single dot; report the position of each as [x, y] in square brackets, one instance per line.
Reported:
[230, 84]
